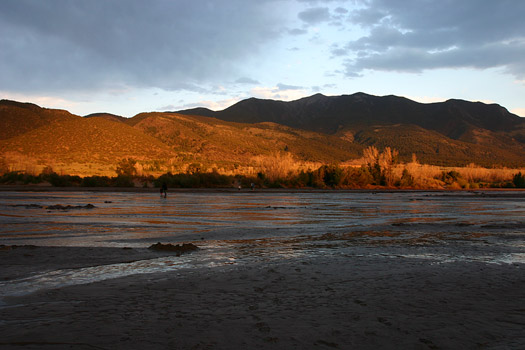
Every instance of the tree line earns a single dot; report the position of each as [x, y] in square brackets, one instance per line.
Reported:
[379, 169]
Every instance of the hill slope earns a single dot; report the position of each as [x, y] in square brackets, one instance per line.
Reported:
[211, 140]
[76, 145]
[17, 118]
[488, 133]
[161, 142]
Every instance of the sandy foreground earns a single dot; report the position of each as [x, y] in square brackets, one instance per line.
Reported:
[345, 301]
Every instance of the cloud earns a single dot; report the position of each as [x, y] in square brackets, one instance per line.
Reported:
[280, 92]
[311, 2]
[337, 51]
[245, 80]
[167, 108]
[62, 45]
[411, 36]
[283, 87]
[297, 31]
[213, 105]
[315, 15]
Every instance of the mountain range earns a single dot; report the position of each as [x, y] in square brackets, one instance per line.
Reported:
[321, 129]
[450, 132]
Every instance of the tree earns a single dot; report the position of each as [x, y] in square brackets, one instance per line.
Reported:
[126, 167]
[387, 159]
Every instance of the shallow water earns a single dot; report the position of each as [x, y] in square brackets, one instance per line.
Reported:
[139, 219]
[247, 227]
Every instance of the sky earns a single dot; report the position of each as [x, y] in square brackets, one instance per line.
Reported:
[130, 56]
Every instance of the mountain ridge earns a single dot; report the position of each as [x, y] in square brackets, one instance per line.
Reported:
[348, 110]
[318, 128]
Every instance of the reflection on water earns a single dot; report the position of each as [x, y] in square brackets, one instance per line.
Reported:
[243, 227]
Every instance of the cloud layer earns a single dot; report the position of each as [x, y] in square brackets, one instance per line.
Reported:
[60, 44]
[414, 35]
[232, 49]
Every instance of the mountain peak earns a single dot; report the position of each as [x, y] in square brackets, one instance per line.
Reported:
[26, 105]
[107, 116]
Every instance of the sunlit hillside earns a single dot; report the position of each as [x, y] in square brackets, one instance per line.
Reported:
[18, 118]
[212, 141]
[432, 147]
[159, 142]
[82, 146]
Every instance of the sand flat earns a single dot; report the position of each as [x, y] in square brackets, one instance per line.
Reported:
[342, 301]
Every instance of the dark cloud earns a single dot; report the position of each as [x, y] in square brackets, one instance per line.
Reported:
[58, 45]
[411, 35]
[315, 15]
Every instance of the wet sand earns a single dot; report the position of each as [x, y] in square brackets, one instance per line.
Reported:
[341, 301]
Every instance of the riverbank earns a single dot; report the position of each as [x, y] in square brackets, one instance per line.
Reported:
[48, 188]
[359, 300]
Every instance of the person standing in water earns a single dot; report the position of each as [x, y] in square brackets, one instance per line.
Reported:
[164, 190]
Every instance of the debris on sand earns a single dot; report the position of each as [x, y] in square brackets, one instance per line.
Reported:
[179, 249]
[55, 207]
[69, 207]
[28, 206]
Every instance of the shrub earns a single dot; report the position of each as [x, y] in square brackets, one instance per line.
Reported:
[519, 180]
[450, 177]
[96, 181]
[124, 181]
[407, 180]
[330, 175]
[62, 180]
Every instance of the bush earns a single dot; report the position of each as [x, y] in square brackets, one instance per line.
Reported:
[407, 180]
[450, 177]
[519, 180]
[196, 180]
[331, 175]
[62, 180]
[96, 181]
[124, 181]
[11, 177]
